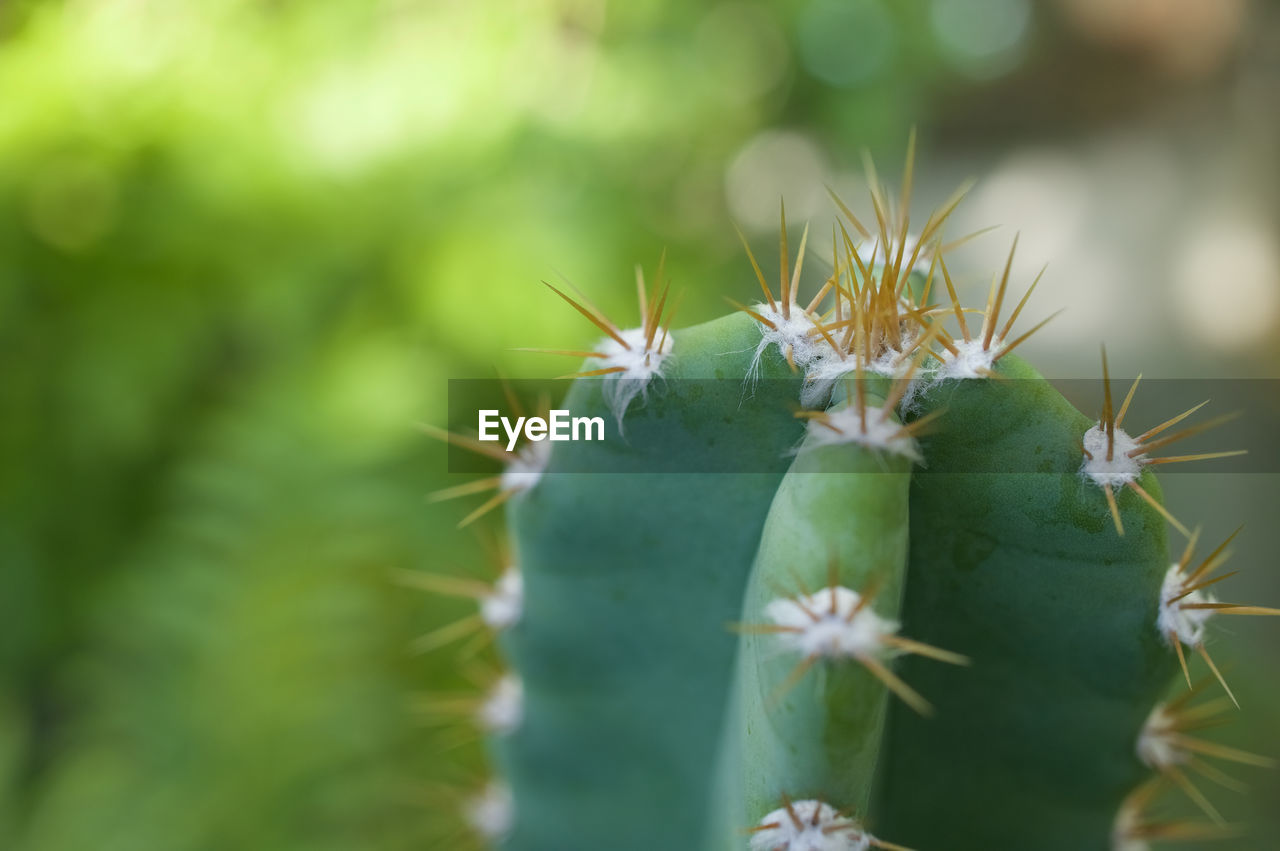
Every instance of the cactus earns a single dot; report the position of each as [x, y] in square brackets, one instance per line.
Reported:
[832, 568]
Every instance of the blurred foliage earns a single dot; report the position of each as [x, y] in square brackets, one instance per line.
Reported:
[242, 246]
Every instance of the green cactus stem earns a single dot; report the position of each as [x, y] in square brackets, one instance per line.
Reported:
[864, 496]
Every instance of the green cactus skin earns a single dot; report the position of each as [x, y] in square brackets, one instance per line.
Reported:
[629, 582]
[647, 724]
[1024, 572]
[815, 733]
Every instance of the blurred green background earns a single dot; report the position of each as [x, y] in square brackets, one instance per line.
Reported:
[244, 244]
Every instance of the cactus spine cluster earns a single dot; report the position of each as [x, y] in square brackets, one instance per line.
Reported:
[835, 568]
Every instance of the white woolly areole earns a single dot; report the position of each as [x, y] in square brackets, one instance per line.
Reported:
[821, 828]
[790, 333]
[828, 366]
[817, 386]
[820, 631]
[640, 366]
[1156, 747]
[812, 354]
[893, 363]
[503, 710]
[822, 373]
[970, 360]
[1121, 469]
[525, 469]
[1175, 622]
[492, 813]
[500, 609]
[883, 433]
[821, 363]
